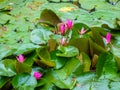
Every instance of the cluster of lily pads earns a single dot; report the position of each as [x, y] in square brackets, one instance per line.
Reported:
[69, 56]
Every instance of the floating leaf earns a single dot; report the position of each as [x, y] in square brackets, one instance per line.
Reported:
[106, 65]
[59, 61]
[47, 81]
[65, 84]
[40, 36]
[110, 68]
[85, 78]
[72, 67]
[94, 85]
[115, 49]
[25, 48]
[100, 85]
[84, 81]
[82, 87]
[24, 82]
[115, 85]
[7, 68]
[69, 51]
[4, 52]
[67, 9]
[88, 80]
[60, 77]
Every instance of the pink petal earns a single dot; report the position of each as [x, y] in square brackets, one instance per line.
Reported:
[62, 28]
[82, 31]
[108, 38]
[37, 75]
[69, 24]
[20, 58]
[63, 41]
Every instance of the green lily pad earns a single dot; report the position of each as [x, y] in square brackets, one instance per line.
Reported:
[106, 66]
[24, 82]
[7, 68]
[69, 51]
[40, 36]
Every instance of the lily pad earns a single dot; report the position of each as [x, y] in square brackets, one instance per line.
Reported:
[69, 51]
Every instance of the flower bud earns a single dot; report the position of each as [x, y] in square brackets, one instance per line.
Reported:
[20, 58]
[82, 31]
[63, 41]
[108, 38]
[37, 75]
[69, 24]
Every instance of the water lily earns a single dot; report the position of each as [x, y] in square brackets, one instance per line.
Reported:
[108, 38]
[69, 24]
[82, 31]
[62, 28]
[37, 75]
[20, 58]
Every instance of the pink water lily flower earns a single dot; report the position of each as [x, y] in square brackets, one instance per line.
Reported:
[69, 24]
[82, 31]
[37, 75]
[20, 58]
[62, 28]
[108, 38]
